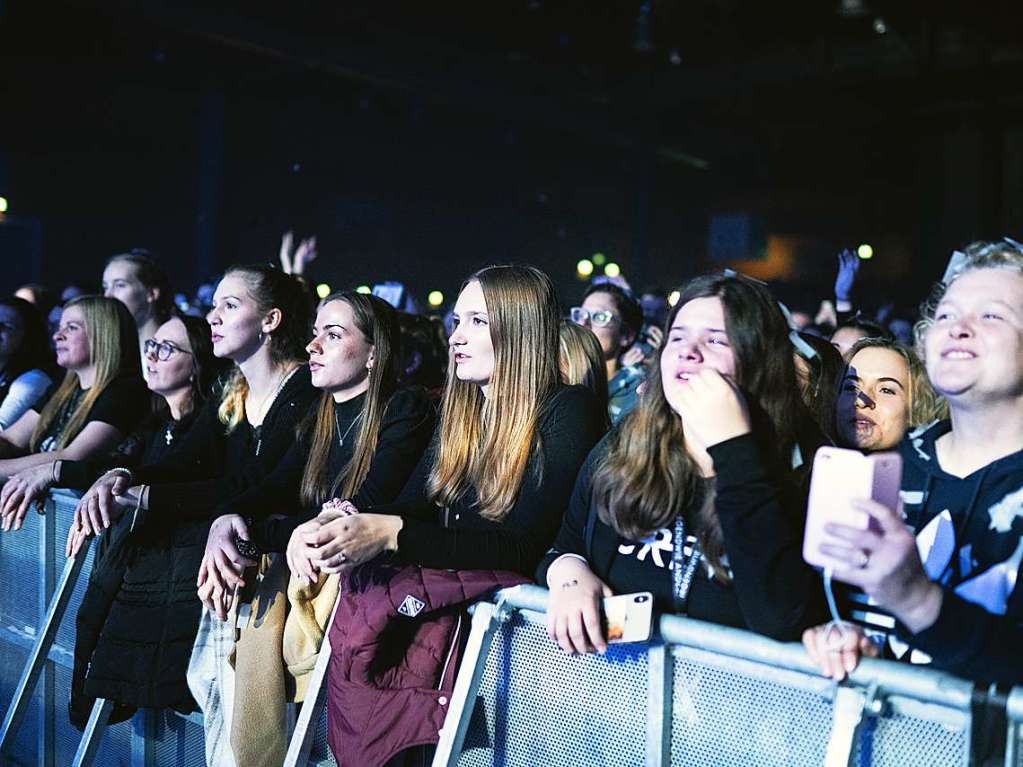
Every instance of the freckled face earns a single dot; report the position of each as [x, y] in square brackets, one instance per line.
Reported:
[340, 356]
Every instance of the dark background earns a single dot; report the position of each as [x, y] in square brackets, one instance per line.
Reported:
[420, 141]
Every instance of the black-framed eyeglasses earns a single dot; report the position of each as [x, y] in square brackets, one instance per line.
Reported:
[599, 318]
[162, 350]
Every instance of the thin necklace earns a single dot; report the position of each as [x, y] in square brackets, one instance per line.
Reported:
[268, 401]
[266, 405]
[337, 424]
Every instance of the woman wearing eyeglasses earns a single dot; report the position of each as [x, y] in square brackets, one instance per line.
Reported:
[180, 369]
[616, 319]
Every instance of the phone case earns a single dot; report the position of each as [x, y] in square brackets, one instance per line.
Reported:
[839, 476]
[628, 617]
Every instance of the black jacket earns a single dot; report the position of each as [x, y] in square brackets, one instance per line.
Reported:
[138, 621]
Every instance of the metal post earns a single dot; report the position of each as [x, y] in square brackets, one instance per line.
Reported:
[48, 541]
[89, 744]
[659, 705]
[309, 717]
[485, 621]
[37, 659]
[847, 716]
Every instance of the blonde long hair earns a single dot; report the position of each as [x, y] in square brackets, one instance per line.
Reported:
[485, 442]
[581, 360]
[113, 351]
[378, 323]
[269, 288]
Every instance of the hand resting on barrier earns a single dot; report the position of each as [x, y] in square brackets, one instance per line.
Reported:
[573, 608]
[21, 491]
[222, 567]
[837, 651]
[104, 502]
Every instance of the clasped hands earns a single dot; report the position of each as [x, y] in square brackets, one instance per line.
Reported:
[339, 537]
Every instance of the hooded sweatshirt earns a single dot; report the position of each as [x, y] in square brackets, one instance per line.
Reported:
[970, 537]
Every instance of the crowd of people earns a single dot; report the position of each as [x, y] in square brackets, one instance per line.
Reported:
[281, 470]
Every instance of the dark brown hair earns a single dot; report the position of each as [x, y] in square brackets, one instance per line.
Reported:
[378, 323]
[647, 478]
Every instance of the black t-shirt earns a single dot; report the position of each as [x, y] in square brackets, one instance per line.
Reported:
[123, 404]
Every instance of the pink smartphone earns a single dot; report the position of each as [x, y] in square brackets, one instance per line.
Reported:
[838, 477]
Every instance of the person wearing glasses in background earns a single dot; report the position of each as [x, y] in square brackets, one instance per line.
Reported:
[616, 319]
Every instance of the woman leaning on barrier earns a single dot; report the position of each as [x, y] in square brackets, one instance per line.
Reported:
[180, 371]
[692, 497]
[260, 321]
[479, 511]
[361, 443]
[100, 401]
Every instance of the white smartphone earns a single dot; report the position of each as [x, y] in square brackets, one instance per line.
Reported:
[840, 476]
[628, 617]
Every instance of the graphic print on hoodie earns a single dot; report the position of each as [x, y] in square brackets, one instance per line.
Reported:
[969, 535]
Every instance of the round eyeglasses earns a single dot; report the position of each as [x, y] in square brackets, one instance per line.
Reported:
[162, 350]
[600, 318]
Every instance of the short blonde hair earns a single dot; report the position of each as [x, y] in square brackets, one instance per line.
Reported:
[925, 404]
[1004, 254]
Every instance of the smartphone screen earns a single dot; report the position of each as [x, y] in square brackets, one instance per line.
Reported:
[628, 617]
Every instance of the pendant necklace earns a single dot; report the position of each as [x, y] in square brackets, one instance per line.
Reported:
[265, 406]
[342, 437]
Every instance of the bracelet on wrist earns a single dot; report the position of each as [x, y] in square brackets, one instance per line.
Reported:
[118, 470]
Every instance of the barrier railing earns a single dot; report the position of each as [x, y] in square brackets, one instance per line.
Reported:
[698, 694]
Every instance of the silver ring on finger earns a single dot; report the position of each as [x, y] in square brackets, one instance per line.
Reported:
[864, 559]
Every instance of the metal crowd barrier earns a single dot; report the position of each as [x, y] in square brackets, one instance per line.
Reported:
[699, 694]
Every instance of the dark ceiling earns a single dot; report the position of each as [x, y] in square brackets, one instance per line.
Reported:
[618, 126]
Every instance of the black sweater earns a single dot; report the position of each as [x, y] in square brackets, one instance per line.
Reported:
[773, 591]
[212, 465]
[405, 431]
[458, 538]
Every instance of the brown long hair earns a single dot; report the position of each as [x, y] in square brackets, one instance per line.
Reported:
[485, 442]
[647, 478]
[378, 323]
[269, 288]
[113, 350]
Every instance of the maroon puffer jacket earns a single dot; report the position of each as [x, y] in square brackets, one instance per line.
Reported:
[395, 645]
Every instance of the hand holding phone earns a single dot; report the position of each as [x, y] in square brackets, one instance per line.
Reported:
[628, 617]
[840, 476]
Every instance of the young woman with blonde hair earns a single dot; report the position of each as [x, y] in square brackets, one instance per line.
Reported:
[581, 360]
[260, 321]
[99, 402]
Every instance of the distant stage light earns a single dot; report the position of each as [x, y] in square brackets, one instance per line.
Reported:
[363, 289]
[584, 268]
[3, 204]
[611, 269]
[323, 290]
[599, 259]
[435, 298]
[865, 252]
[673, 297]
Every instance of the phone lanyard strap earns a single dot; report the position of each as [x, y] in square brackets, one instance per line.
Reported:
[683, 567]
